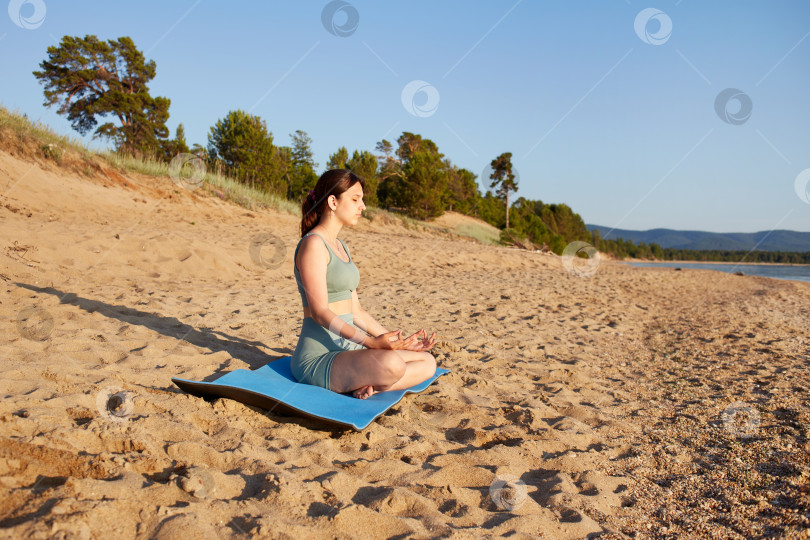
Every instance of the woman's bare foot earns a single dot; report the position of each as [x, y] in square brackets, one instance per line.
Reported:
[363, 392]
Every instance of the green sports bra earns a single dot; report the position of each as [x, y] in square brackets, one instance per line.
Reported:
[341, 277]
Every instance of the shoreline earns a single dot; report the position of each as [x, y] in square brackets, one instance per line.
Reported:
[710, 262]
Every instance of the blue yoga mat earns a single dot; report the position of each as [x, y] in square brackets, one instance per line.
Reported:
[274, 387]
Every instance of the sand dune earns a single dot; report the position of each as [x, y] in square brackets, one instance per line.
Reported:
[575, 406]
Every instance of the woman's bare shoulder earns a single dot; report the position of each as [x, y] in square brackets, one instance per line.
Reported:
[308, 248]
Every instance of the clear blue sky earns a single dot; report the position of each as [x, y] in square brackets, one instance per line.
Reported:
[619, 124]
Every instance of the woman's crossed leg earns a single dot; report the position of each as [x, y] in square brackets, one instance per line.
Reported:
[368, 371]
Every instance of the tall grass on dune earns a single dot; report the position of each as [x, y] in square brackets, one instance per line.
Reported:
[29, 132]
[483, 234]
[222, 186]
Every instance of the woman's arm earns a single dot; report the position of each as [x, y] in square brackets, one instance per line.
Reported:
[363, 320]
[366, 322]
[330, 320]
[312, 260]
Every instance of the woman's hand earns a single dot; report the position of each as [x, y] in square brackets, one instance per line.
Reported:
[423, 343]
[393, 340]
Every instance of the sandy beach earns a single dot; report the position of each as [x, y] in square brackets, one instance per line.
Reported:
[635, 403]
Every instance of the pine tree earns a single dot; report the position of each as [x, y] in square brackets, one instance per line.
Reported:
[243, 144]
[503, 180]
[338, 159]
[90, 79]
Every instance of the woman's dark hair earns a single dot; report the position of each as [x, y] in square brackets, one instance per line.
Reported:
[333, 182]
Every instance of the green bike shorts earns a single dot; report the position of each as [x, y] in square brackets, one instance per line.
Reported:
[317, 348]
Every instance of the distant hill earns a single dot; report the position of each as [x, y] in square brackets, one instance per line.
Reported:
[778, 240]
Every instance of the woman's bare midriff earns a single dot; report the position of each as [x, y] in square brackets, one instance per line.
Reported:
[339, 308]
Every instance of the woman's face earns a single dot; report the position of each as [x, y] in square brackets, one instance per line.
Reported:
[350, 204]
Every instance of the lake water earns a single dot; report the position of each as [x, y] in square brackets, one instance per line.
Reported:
[799, 272]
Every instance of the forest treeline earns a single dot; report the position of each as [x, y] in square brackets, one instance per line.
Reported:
[92, 79]
[624, 248]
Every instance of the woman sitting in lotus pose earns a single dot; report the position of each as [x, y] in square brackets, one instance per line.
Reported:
[341, 347]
